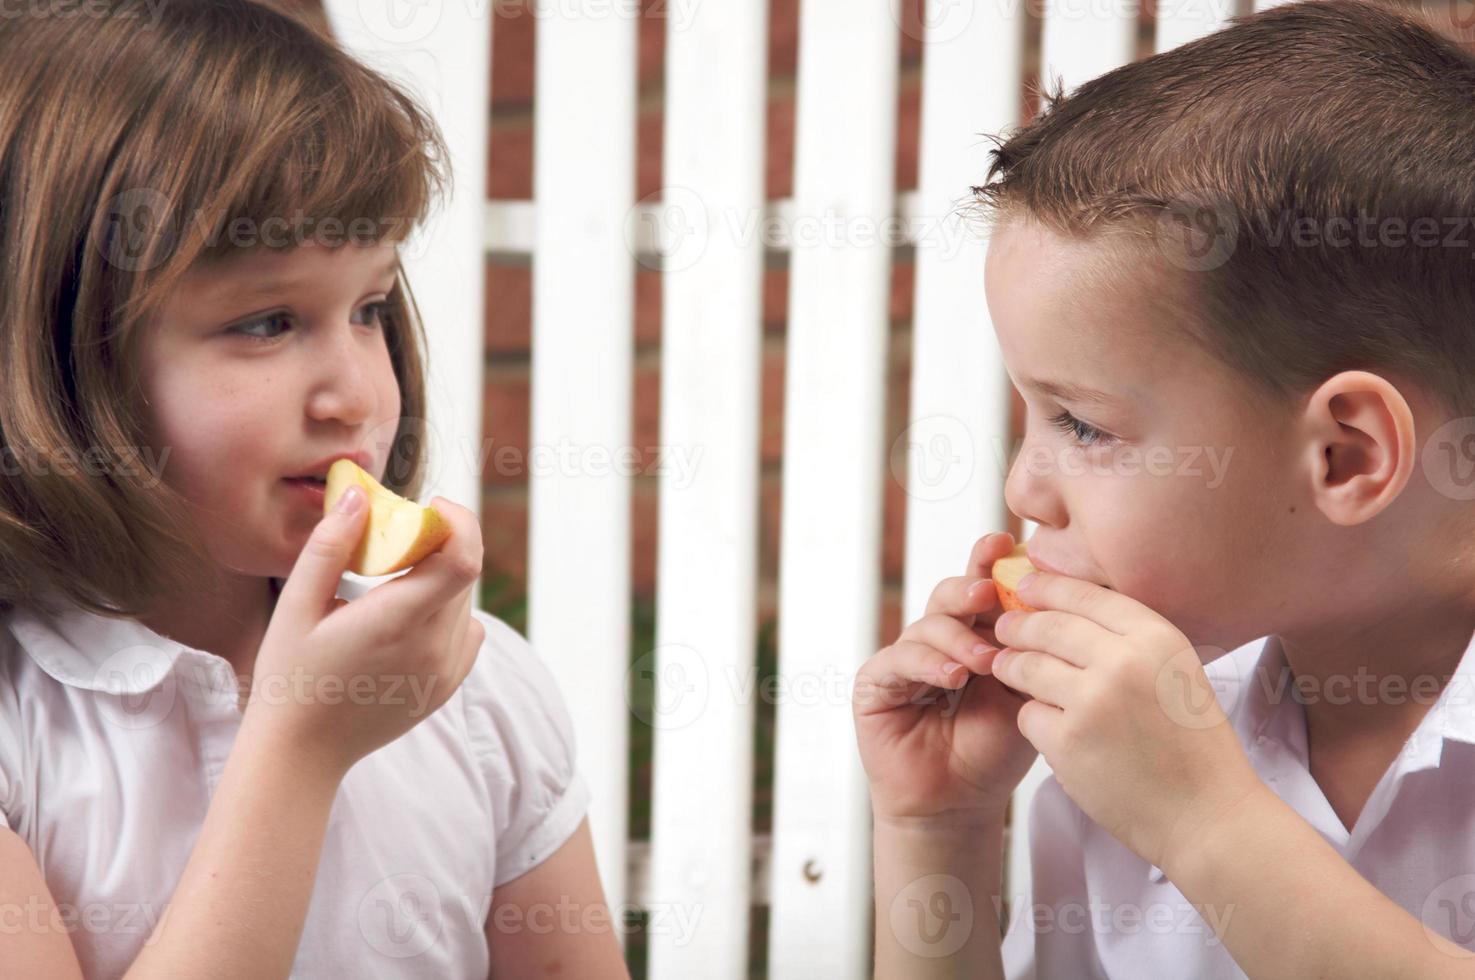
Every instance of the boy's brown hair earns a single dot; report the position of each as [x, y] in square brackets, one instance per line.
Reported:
[130, 151]
[1236, 166]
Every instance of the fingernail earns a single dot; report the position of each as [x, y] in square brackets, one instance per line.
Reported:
[350, 501]
[1026, 580]
[976, 587]
[951, 670]
[981, 649]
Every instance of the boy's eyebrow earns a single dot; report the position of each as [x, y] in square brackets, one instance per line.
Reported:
[1069, 391]
[258, 287]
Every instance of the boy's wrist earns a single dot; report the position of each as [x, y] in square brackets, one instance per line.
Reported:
[964, 823]
[1219, 834]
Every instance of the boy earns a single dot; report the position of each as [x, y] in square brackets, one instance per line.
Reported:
[1255, 250]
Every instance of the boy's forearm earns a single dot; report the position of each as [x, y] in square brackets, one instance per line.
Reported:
[929, 928]
[1286, 904]
[240, 905]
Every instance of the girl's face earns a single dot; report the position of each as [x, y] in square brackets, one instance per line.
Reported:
[256, 369]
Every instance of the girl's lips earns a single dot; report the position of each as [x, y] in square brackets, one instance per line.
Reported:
[308, 490]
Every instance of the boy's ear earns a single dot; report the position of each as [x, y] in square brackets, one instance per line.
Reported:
[1360, 442]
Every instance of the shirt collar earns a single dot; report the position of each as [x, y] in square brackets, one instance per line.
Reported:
[1260, 704]
[111, 655]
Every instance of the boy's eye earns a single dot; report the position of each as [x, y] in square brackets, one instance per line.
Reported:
[1083, 432]
[377, 313]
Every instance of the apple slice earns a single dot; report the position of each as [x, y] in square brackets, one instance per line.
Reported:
[399, 533]
[1007, 572]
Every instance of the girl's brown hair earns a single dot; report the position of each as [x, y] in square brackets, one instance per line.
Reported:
[1239, 164]
[130, 150]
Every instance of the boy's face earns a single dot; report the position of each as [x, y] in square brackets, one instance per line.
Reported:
[1176, 502]
[238, 414]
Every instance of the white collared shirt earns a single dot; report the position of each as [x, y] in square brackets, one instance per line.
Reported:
[1099, 910]
[113, 739]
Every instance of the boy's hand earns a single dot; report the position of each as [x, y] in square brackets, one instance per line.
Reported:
[934, 746]
[1123, 713]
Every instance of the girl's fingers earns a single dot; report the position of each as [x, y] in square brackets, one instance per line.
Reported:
[893, 676]
[950, 638]
[962, 595]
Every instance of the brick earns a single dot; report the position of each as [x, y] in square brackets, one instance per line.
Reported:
[509, 308]
[893, 526]
[779, 173]
[514, 44]
[783, 38]
[505, 427]
[908, 129]
[771, 424]
[504, 534]
[647, 307]
[775, 297]
[903, 285]
[510, 159]
[644, 500]
[651, 46]
[913, 31]
[889, 625]
[648, 164]
[645, 426]
[770, 503]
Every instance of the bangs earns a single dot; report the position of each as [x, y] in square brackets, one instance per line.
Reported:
[248, 145]
[358, 164]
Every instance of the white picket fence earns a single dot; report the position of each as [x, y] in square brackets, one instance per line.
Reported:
[584, 231]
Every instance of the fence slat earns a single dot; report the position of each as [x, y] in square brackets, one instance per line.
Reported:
[583, 336]
[956, 442]
[711, 340]
[829, 570]
[442, 262]
[1081, 39]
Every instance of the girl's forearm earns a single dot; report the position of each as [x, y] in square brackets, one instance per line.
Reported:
[240, 905]
[1286, 904]
[947, 926]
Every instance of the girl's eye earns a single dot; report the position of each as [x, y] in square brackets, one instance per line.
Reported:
[1083, 432]
[377, 313]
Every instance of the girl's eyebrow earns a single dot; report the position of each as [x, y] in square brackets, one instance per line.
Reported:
[250, 288]
[1070, 392]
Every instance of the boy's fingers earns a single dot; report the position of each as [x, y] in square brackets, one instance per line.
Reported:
[987, 550]
[947, 635]
[962, 595]
[890, 678]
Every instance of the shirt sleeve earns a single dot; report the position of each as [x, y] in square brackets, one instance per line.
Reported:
[519, 727]
[1048, 932]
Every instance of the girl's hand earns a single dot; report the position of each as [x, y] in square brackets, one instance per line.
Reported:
[934, 744]
[1124, 713]
[343, 679]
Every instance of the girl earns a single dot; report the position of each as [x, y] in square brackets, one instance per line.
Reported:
[211, 761]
